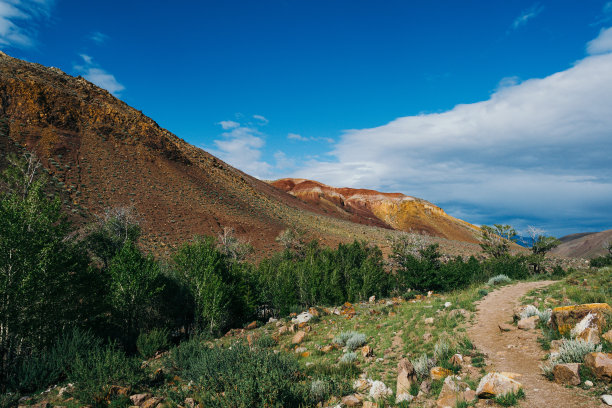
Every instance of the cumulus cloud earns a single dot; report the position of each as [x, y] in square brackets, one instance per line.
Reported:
[93, 73]
[242, 145]
[536, 150]
[19, 20]
[602, 44]
[527, 15]
[295, 136]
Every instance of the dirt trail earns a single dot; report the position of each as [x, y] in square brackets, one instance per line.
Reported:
[518, 351]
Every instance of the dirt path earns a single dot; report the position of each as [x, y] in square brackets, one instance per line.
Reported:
[518, 351]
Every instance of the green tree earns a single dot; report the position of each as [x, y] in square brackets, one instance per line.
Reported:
[206, 272]
[540, 245]
[46, 284]
[134, 284]
[496, 240]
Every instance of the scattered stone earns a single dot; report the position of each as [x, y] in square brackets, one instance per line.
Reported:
[429, 320]
[353, 400]
[427, 336]
[588, 383]
[372, 299]
[272, 320]
[607, 336]
[438, 373]
[607, 399]
[293, 328]
[425, 387]
[298, 338]
[600, 364]
[300, 350]
[517, 312]
[362, 384]
[68, 388]
[251, 326]
[367, 351]
[494, 384]
[505, 327]
[369, 404]
[564, 318]
[406, 376]
[379, 390]
[327, 349]
[456, 312]
[567, 374]
[314, 311]
[305, 354]
[528, 323]
[555, 344]
[447, 305]
[190, 402]
[138, 399]
[283, 330]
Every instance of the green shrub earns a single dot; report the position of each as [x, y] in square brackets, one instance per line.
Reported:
[601, 261]
[356, 341]
[319, 390]
[102, 367]
[483, 292]
[510, 399]
[348, 358]
[149, 343]
[574, 350]
[265, 342]
[238, 377]
[421, 366]
[498, 280]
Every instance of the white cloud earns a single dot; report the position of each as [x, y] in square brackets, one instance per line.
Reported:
[527, 15]
[283, 161]
[539, 149]
[602, 44]
[261, 119]
[241, 146]
[93, 73]
[295, 136]
[98, 37]
[229, 124]
[19, 20]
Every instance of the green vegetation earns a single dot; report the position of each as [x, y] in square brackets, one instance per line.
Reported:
[510, 399]
[86, 307]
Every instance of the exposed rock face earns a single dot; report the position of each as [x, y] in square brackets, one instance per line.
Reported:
[567, 374]
[495, 384]
[600, 364]
[387, 210]
[565, 318]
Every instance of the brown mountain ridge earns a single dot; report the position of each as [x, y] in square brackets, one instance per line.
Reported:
[101, 153]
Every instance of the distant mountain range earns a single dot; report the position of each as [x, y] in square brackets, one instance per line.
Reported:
[583, 245]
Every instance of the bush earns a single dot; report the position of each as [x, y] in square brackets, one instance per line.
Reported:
[238, 377]
[514, 267]
[601, 261]
[102, 367]
[421, 366]
[319, 390]
[352, 340]
[573, 351]
[150, 343]
[348, 358]
[265, 342]
[40, 370]
[498, 280]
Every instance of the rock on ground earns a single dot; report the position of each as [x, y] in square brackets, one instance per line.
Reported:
[600, 364]
[494, 384]
[567, 374]
[564, 318]
[406, 376]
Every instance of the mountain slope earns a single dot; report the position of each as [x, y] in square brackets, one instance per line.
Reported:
[387, 210]
[585, 246]
[101, 153]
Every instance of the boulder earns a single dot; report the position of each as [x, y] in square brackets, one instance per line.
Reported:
[496, 384]
[438, 373]
[505, 327]
[600, 364]
[298, 337]
[138, 399]
[406, 376]
[528, 323]
[567, 374]
[283, 330]
[303, 317]
[450, 393]
[588, 383]
[372, 299]
[590, 334]
[607, 399]
[251, 326]
[151, 402]
[456, 359]
[564, 318]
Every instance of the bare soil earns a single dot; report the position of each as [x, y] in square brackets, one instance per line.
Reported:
[518, 351]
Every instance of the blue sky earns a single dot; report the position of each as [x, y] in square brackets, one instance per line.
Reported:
[498, 111]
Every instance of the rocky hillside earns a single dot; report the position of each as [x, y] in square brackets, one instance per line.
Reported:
[386, 210]
[587, 245]
[100, 153]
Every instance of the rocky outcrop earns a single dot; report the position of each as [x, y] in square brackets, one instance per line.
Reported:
[565, 318]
